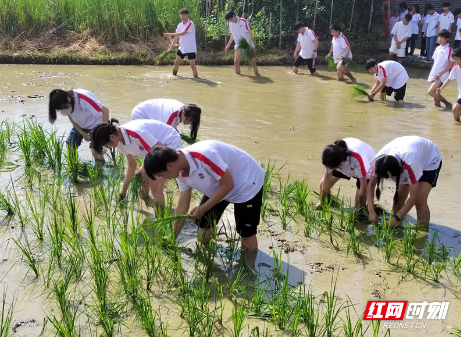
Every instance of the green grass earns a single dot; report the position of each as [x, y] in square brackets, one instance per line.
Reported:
[6, 316]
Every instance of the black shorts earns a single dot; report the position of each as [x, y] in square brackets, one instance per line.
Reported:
[338, 174]
[190, 56]
[457, 42]
[399, 93]
[459, 101]
[247, 215]
[310, 63]
[431, 177]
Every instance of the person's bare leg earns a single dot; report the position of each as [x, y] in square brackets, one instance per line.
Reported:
[404, 190]
[156, 187]
[433, 92]
[339, 70]
[348, 74]
[399, 60]
[249, 244]
[98, 157]
[325, 187]
[193, 67]
[204, 235]
[456, 112]
[295, 70]
[237, 57]
[177, 62]
[254, 66]
[422, 208]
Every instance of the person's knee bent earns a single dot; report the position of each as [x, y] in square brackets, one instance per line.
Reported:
[250, 244]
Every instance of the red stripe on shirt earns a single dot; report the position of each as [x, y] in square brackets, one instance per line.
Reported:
[246, 23]
[313, 33]
[384, 71]
[360, 160]
[90, 101]
[215, 168]
[449, 53]
[347, 42]
[190, 24]
[135, 135]
[410, 173]
[172, 117]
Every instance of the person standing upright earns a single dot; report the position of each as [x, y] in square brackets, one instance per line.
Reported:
[185, 32]
[306, 49]
[416, 22]
[446, 19]
[430, 31]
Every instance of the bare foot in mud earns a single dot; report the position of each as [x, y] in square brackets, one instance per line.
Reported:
[448, 106]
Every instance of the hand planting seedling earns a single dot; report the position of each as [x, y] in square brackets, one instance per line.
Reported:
[358, 91]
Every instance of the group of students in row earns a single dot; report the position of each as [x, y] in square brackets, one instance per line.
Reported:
[225, 174]
[404, 28]
[391, 77]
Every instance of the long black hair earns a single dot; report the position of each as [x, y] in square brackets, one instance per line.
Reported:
[335, 154]
[58, 101]
[387, 166]
[192, 112]
[416, 6]
[100, 135]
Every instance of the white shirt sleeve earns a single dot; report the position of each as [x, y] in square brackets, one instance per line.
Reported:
[149, 139]
[214, 164]
[311, 35]
[191, 29]
[182, 185]
[452, 19]
[452, 76]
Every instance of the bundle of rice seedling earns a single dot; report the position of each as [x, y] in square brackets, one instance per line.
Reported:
[248, 52]
[358, 91]
[165, 56]
[136, 185]
[351, 65]
[455, 331]
[188, 139]
[331, 63]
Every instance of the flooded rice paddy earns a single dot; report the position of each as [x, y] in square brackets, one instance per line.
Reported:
[277, 117]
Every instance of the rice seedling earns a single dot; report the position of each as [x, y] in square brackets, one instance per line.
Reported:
[72, 164]
[354, 244]
[25, 145]
[19, 210]
[230, 253]
[37, 210]
[75, 257]
[310, 314]
[54, 152]
[332, 310]
[129, 265]
[351, 65]
[165, 56]
[57, 237]
[409, 249]
[328, 219]
[247, 51]
[286, 190]
[187, 139]
[455, 263]
[376, 329]
[194, 304]
[67, 325]
[148, 316]
[270, 172]
[358, 91]
[4, 143]
[205, 255]
[206, 328]
[7, 127]
[6, 317]
[219, 293]
[350, 329]
[388, 243]
[136, 187]
[281, 304]
[331, 64]
[258, 301]
[238, 319]
[29, 257]
[39, 142]
[152, 254]
[454, 331]
[435, 270]
[301, 196]
[6, 205]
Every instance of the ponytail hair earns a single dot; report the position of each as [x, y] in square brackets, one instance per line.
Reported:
[192, 112]
[58, 100]
[335, 154]
[387, 166]
[100, 135]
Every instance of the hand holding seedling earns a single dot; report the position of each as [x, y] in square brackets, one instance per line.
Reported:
[197, 212]
[371, 97]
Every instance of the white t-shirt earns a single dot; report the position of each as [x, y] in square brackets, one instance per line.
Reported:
[161, 109]
[417, 155]
[307, 41]
[392, 21]
[208, 161]
[240, 29]
[415, 19]
[187, 43]
[395, 73]
[432, 21]
[455, 75]
[360, 162]
[458, 26]
[443, 55]
[446, 20]
[87, 109]
[340, 45]
[141, 134]
[401, 31]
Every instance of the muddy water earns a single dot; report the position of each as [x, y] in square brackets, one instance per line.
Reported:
[279, 116]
